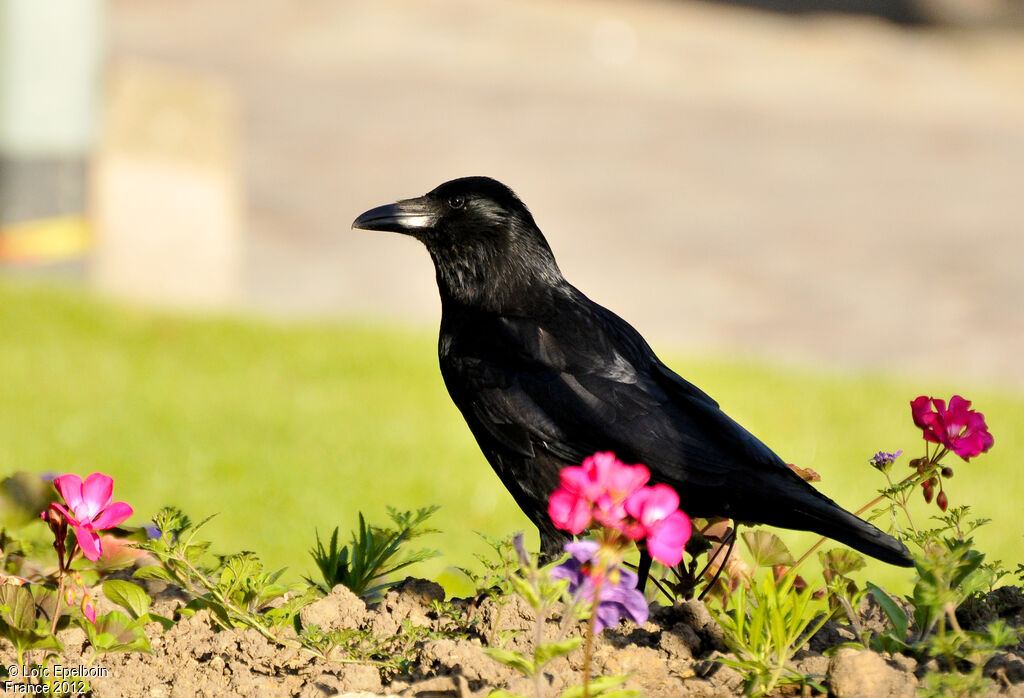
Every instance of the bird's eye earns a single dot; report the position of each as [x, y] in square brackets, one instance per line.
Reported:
[456, 201]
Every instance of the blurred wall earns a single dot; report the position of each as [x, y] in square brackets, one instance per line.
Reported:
[834, 190]
[50, 59]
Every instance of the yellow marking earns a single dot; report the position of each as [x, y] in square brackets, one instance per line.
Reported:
[45, 240]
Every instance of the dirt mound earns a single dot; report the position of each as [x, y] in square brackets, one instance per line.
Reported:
[672, 655]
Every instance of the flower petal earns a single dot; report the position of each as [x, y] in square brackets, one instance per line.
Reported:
[569, 511]
[582, 550]
[113, 515]
[624, 479]
[919, 407]
[65, 513]
[667, 539]
[70, 488]
[97, 492]
[89, 542]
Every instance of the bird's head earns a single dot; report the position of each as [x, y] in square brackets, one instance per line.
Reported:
[486, 248]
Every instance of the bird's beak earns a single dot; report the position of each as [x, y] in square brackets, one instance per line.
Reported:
[408, 216]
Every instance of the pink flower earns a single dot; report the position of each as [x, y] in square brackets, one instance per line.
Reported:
[90, 509]
[569, 510]
[666, 528]
[596, 490]
[958, 428]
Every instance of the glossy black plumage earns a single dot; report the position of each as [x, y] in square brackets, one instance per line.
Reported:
[546, 377]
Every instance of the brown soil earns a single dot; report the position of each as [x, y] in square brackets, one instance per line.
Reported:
[671, 655]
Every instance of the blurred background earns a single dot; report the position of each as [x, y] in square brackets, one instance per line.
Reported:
[814, 213]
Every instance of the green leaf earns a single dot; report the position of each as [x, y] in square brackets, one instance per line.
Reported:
[767, 549]
[892, 609]
[512, 659]
[116, 632]
[551, 650]
[164, 621]
[526, 590]
[153, 572]
[841, 561]
[127, 595]
[17, 607]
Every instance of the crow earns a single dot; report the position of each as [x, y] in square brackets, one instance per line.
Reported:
[545, 377]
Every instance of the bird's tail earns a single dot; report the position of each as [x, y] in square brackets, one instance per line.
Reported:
[815, 512]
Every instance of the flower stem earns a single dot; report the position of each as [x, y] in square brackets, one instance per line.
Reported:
[60, 597]
[588, 648]
[587, 651]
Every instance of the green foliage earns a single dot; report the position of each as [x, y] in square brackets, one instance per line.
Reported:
[766, 549]
[764, 625]
[22, 621]
[842, 592]
[116, 632]
[233, 588]
[950, 571]
[26, 620]
[949, 574]
[135, 600]
[373, 554]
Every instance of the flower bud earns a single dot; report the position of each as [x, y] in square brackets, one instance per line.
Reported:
[947, 472]
[89, 609]
[927, 487]
[918, 464]
[520, 546]
[69, 596]
[942, 501]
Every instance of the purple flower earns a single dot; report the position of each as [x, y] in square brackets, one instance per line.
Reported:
[618, 597]
[882, 460]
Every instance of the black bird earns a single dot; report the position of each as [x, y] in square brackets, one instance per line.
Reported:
[545, 377]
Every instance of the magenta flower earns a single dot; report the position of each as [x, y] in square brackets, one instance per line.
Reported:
[595, 491]
[569, 510]
[89, 509]
[617, 597]
[666, 528]
[958, 428]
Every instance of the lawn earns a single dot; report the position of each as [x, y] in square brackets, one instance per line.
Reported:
[286, 429]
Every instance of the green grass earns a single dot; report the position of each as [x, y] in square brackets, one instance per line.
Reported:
[284, 429]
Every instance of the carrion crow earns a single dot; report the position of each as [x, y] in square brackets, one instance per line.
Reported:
[545, 377]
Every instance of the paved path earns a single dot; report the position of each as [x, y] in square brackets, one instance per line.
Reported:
[841, 192]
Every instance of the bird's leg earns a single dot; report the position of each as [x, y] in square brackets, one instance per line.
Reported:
[718, 572]
[643, 569]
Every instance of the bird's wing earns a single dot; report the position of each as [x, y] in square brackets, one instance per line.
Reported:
[706, 412]
[572, 389]
[521, 408]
